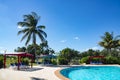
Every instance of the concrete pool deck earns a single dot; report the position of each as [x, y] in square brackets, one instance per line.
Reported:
[38, 73]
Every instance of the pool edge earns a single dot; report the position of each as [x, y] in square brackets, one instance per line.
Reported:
[59, 75]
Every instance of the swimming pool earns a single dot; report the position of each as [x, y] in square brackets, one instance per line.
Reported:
[92, 73]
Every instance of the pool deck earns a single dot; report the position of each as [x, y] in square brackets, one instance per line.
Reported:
[38, 73]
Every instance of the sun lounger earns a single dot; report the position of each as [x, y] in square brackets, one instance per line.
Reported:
[13, 66]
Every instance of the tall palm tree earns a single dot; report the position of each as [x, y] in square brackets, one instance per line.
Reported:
[30, 29]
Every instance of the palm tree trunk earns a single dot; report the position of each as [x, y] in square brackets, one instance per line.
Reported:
[35, 48]
[110, 52]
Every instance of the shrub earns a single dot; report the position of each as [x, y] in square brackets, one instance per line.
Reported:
[75, 62]
[25, 61]
[111, 60]
[1, 61]
[119, 61]
[54, 61]
[84, 60]
[62, 61]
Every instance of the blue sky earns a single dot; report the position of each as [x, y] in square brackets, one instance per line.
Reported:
[77, 24]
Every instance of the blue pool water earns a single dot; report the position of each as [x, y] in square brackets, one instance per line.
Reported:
[92, 73]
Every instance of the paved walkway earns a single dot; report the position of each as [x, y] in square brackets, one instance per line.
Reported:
[37, 73]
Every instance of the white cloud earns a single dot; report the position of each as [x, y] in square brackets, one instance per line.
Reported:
[76, 38]
[63, 41]
[2, 50]
[19, 27]
[95, 48]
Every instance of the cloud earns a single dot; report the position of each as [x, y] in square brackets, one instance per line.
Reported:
[19, 27]
[76, 38]
[2, 49]
[63, 41]
[95, 48]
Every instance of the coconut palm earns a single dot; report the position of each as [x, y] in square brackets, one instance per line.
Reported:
[30, 29]
[109, 41]
[116, 42]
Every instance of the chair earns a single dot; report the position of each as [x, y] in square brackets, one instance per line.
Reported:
[13, 66]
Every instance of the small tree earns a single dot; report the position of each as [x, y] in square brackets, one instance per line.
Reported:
[1, 61]
[68, 54]
[20, 49]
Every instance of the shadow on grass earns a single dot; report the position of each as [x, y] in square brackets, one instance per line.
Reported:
[34, 78]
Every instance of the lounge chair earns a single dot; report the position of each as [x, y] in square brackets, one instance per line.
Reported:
[13, 66]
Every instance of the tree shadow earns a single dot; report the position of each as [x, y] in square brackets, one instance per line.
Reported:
[32, 69]
[56, 66]
[34, 78]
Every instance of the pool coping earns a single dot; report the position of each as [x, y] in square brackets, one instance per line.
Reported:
[59, 75]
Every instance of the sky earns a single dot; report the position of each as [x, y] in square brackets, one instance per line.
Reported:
[76, 24]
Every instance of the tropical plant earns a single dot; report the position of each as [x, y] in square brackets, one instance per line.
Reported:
[1, 61]
[30, 29]
[68, 54]
[85, 60]
[109, 42]
[62, 61]
[20, 49]
[30, 49]
[44, 47]
[111, 60]
[116, 42]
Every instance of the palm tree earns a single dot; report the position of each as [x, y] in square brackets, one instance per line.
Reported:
[116, 42]
[45, 49]
[109, 41]
[30, 29]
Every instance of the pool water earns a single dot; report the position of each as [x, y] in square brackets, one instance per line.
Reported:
[92, 73]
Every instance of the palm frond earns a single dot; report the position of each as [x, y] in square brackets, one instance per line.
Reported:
[41, 27]
[28, 39]
[23, 24]
[28, 18]
[41, 37]
[23, 31]
[25, 35]
[101, 43]
[35, 16]
[19, 32]
[31, 20]
[42, 32]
